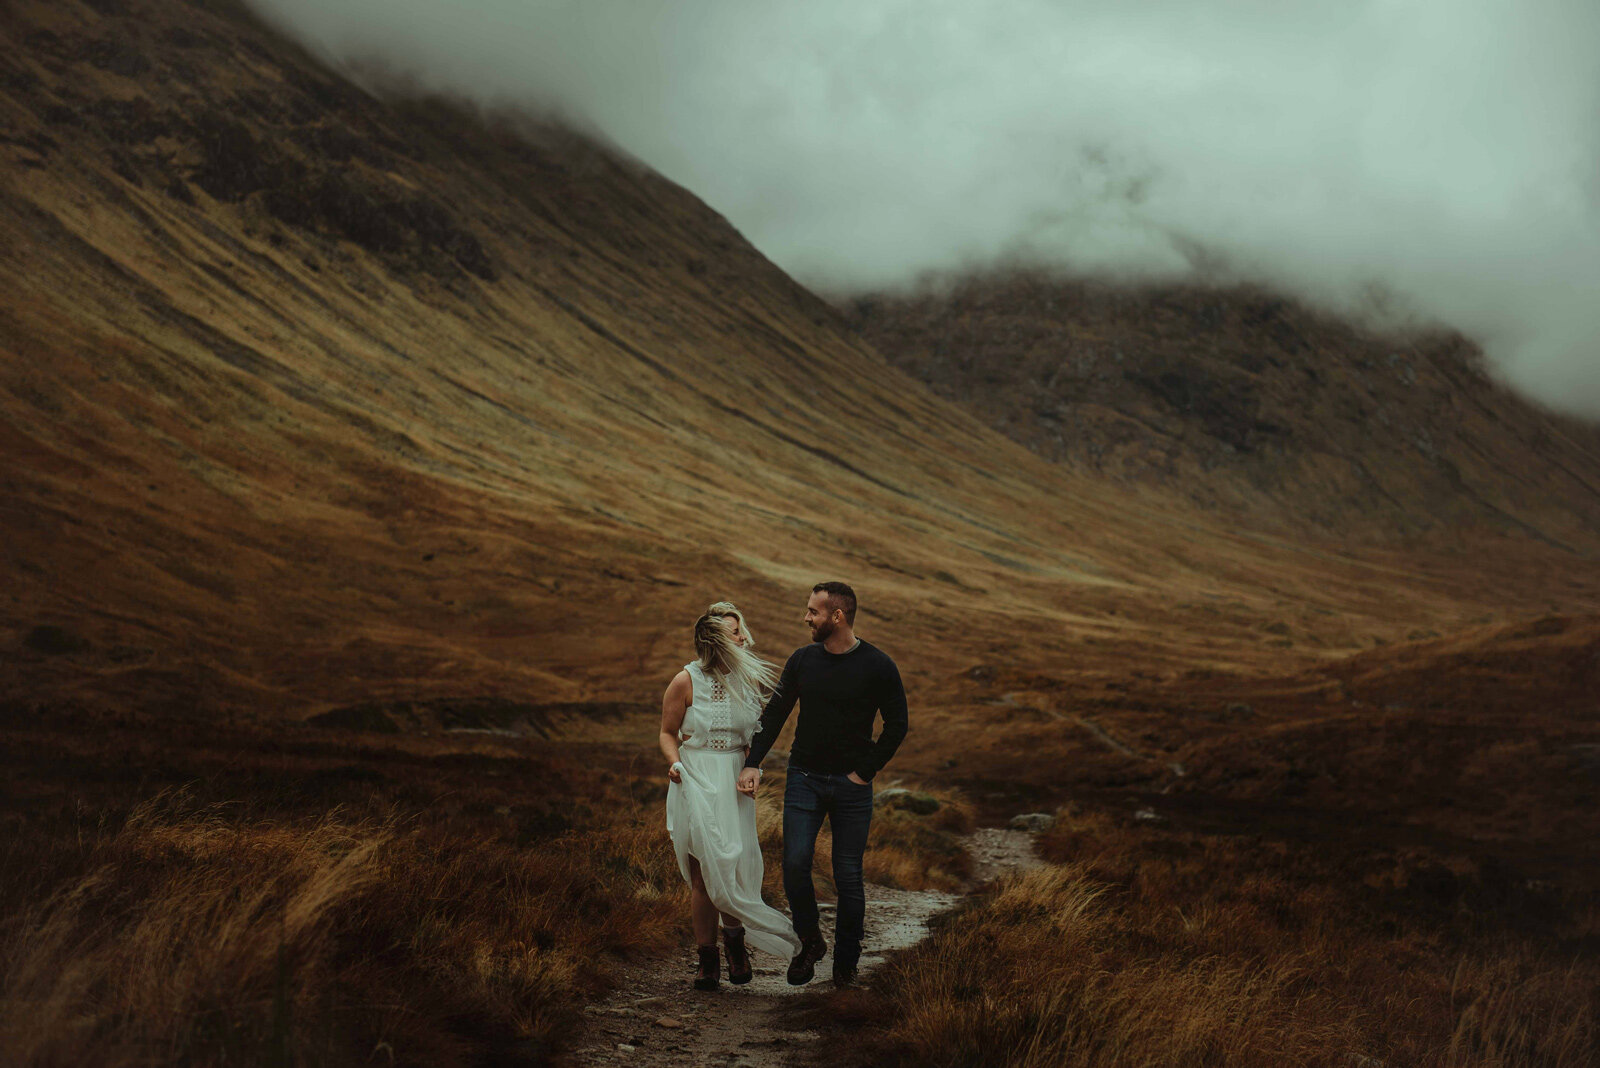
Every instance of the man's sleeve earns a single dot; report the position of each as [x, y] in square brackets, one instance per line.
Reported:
[779, 705]
[896, 720]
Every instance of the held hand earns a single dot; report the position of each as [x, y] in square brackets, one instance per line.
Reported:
[749, 778]
[858, 780]
[675, 773]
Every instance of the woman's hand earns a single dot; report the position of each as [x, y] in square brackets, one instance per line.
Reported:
[749, 779]
[675, 773]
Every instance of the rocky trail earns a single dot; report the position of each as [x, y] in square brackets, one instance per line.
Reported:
[655, 1019]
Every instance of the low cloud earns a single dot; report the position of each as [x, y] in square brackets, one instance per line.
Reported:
[1442, 153]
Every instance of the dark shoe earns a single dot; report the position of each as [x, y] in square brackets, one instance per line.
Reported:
[739, 969]
[708, 977]
[844, 977]
[804, 965]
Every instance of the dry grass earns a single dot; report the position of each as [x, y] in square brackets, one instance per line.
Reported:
[1159, 948]
[304, 896]
[1388, 861]
[196, 938]
[385, 909]
[913, 851]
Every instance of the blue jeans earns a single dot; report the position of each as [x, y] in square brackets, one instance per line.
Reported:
[808, 798]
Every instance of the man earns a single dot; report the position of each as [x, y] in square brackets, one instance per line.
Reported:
[841, 683]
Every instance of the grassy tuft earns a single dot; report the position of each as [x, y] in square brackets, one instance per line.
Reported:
[194, 936]
[1150, 947]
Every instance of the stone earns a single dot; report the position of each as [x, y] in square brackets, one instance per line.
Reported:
[914, 801]
[669, 1023]
[1033, 821]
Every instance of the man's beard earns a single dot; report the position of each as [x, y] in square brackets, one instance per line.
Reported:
[821, 632]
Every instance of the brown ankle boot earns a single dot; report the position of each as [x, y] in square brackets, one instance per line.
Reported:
[708, 976]
[739, 969]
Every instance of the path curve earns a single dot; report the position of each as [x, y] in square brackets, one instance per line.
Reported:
[654, 1019]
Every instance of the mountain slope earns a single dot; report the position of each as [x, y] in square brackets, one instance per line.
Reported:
[309, 399]
[1252, 405]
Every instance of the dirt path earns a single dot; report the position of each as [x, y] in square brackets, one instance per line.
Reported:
[654, 1018]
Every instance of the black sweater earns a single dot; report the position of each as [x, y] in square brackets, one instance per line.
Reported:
[839, 694]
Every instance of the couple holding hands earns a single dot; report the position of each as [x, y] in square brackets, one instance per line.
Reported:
[719, 717]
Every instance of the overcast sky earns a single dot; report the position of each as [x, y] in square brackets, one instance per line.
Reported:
[1445, 151]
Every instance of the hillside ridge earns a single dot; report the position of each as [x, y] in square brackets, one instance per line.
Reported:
[1251, 404]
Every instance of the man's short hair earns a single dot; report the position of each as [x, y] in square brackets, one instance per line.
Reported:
[840, 596]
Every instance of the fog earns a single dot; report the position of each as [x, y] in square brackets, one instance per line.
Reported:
[1437, 159]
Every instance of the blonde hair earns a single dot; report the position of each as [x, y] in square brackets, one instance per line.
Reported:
[725, 660]
[728, 608]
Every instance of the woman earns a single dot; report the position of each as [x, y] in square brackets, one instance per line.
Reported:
[709, 714]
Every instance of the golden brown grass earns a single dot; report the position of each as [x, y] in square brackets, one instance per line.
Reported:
[213, 894]
[1160, 948]
[913, 851]
[311, 897]
[195, 937]
[1389, 861]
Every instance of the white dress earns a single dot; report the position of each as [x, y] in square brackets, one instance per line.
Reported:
[710, 820]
